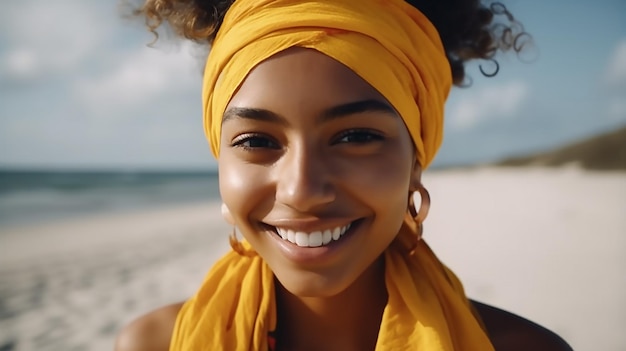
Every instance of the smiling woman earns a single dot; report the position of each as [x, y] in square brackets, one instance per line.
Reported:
[323, 115]
[309, 171]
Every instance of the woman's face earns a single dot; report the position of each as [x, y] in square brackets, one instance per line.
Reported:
[315, 168]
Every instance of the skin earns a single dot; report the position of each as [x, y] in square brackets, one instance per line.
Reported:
[507, 331]
[304, 166]
[295, 153]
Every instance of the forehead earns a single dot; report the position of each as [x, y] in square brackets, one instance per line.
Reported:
[304, 77]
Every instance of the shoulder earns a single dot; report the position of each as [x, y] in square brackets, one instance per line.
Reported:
[152, 331]
[510, 332]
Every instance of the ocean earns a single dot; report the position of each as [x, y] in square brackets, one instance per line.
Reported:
[28, 197]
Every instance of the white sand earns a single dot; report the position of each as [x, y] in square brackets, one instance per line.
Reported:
[547, 244]
[73, 285]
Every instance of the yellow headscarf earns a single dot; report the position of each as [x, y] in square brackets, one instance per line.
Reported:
[389, 43]
[395, 49]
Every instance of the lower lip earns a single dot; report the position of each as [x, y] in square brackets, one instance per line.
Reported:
[304, 255]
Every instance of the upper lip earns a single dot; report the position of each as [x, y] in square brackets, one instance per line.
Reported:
[309, 225]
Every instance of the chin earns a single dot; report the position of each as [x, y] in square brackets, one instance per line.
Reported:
[313, 284]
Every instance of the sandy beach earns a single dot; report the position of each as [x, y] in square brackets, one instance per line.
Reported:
[548, 244]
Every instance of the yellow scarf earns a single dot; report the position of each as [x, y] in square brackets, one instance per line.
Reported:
[389, 43]
[395, 49]
[235, 309]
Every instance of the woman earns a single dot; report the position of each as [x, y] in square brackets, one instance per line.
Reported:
[323, 115]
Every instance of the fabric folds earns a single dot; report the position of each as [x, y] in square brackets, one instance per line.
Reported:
[389, 43]
[393, 47]
[427, 309]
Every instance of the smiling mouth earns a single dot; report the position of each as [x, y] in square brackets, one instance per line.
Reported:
[313, 239]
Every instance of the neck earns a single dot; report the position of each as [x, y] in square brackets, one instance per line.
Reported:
[347, 321]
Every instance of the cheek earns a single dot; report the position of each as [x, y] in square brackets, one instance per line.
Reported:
[383, 178]
[382, 182]
[243, 187]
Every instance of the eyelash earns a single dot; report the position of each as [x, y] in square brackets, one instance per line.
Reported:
[244, 140]
[371, 136]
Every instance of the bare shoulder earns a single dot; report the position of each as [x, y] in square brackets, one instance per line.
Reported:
[510, 332]
[152, 331]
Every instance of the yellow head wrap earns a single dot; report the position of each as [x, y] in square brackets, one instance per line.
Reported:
[396, 49]
[389, 43]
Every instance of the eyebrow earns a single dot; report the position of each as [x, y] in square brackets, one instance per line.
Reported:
[344, 110]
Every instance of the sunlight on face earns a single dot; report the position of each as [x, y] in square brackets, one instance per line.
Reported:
[315, 168]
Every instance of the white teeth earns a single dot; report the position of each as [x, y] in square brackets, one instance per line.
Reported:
[337, 233]
[314, 239]
[302, 239]
[282, 233]
[327, 237]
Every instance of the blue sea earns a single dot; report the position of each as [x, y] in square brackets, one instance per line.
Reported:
[33, 197]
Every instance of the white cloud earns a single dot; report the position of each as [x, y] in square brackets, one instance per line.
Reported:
[497, 101]
[21, 63]
[48, 36]
[94, 93]
[142, 76]
[616, 70]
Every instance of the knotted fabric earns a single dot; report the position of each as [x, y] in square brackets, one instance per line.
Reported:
[393, 47]
[388, 43]
[235, 309]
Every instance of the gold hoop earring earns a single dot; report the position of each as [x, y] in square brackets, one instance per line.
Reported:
[419, 215]
[237, 246]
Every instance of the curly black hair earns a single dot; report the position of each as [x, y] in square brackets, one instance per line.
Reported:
[468, 29]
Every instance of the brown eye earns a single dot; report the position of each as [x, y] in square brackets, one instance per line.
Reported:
[359, 136]
[254, 141]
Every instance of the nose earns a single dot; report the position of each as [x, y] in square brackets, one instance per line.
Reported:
[304, 179]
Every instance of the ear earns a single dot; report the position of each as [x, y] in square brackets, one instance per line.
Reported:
[416, 176]
[227, 215]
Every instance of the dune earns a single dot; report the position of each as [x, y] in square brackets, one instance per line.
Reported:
[604, 151]
[547, 244]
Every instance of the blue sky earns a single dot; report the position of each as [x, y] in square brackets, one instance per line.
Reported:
[80, 89]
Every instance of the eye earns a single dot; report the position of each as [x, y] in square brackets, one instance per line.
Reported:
[359, 136]
[253, 141]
